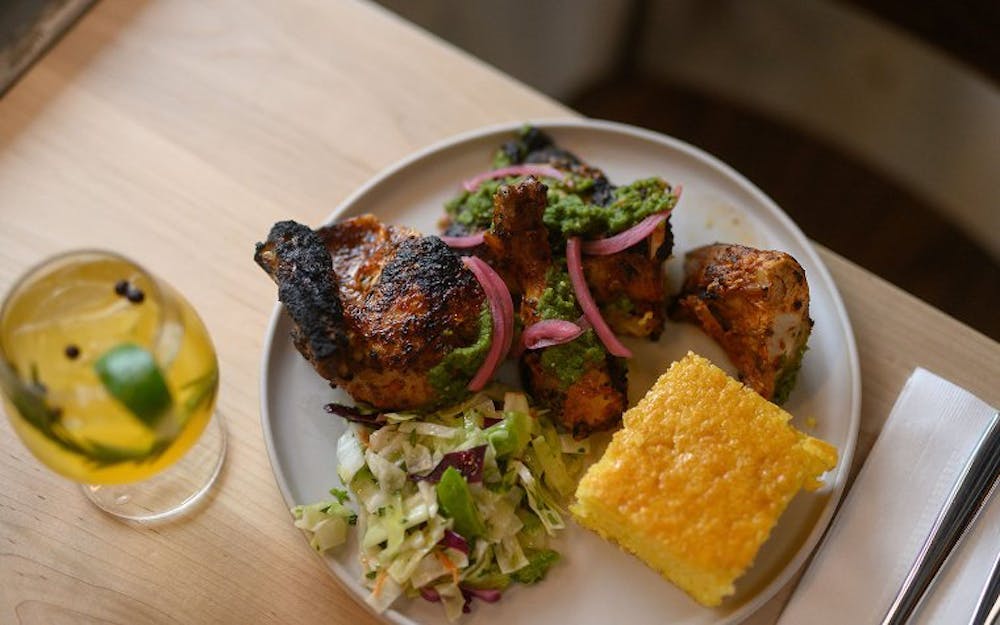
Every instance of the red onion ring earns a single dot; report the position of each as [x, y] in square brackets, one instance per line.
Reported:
[514, 170]
[502, 310]
[549, 332]
[463, 242]
[628, 238]
[575, 266]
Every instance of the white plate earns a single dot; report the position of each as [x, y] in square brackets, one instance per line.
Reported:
[595, 583]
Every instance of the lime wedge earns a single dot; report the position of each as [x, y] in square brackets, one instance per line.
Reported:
[131, 375]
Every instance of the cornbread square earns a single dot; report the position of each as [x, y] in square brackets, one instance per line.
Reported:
[697, 477]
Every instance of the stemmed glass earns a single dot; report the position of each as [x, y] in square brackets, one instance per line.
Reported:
[109, 378]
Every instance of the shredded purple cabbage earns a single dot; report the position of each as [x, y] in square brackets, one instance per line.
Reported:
[469, 463]
[430, 594]
[455, 541]
[489, 595]
[353, 413]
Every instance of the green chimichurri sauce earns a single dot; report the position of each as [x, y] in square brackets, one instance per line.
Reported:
[789, 372]
[451, 376]
[569, 214]
[568, 361]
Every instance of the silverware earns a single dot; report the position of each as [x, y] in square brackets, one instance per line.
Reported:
[967, 498]
[988, 606]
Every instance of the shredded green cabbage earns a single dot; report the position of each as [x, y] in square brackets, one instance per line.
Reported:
[505, 519]
[326, 522]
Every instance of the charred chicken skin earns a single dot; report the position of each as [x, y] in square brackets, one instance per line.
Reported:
[379, 310]
[628, 286]
[582, 385]
[755, 304]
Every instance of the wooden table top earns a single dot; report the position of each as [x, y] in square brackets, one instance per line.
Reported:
[176, 133]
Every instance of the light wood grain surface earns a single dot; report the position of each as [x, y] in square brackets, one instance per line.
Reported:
[177, 132]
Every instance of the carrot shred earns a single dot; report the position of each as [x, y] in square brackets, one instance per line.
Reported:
[379, 582]
[448, 564]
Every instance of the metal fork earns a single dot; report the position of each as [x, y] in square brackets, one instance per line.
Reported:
[967, 498]
[988, 606]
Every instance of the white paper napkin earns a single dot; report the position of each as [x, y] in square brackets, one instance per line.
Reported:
[888, 513]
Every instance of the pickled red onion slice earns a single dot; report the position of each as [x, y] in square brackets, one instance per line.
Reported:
[625, 239]
[628, 238]
[549, 332]
[514, 170]
[575, 266]
[502, 311]
[463, 242]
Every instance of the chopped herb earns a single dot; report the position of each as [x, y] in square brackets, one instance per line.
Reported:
[340, 494]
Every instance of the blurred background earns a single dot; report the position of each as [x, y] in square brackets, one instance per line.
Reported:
[875, 125]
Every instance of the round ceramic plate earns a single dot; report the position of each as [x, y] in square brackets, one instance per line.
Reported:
[595, 582]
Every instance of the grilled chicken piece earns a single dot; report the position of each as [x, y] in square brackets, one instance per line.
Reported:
[376, 308]
[596, 398]
[755, 304]
[630, 286]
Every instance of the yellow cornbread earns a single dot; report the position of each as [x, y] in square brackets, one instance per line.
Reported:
[698, 476]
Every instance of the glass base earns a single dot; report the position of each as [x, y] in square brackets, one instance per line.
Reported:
[172, 491]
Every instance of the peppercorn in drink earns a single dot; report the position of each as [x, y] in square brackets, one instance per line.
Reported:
[109, 378]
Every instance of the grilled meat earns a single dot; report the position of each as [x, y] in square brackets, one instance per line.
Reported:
[377, 309]
[519, 242]
[630, 286]
[755, 304]
[595, 397]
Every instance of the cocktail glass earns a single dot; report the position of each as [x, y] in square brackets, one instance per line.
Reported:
[109, 378]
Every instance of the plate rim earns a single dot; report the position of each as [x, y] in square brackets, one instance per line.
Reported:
[836, 490]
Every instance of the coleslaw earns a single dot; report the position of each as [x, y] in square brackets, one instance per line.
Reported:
[452, 506]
